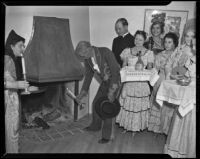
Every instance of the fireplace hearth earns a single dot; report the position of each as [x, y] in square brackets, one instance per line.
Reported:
[51, 65]
[51, 103]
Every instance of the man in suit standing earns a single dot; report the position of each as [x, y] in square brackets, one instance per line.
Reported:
[124, 39]
[99, 60]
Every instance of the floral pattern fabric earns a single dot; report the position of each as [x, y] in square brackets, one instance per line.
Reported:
[179, 57]
[134, 97]
[191, 66]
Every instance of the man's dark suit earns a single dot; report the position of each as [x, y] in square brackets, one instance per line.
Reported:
[110, 77]
[120, 43]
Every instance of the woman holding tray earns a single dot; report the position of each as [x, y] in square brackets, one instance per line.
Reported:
[134, 97]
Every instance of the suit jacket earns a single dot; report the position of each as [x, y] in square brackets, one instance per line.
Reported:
[120, 43]
[108, 66]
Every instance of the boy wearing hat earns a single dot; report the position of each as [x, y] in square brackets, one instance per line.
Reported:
[99, 60]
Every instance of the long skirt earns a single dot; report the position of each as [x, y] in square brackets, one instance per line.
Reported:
[134, 100]
[181, 141]
[160, 117]
[11, 121]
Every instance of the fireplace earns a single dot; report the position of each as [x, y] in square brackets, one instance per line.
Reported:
[51, 65]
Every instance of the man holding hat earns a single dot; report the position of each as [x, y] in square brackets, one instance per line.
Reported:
[100, 60]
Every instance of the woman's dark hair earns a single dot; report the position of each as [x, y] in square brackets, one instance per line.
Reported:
[12, 39]
[123, 21]
[161, 24]
[172, 36]
[141, 32]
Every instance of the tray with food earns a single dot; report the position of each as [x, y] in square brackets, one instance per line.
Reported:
[129, 74]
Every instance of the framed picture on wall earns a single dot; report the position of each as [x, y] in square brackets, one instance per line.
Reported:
[172, 20]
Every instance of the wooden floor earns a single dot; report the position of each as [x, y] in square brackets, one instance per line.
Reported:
[87, 142]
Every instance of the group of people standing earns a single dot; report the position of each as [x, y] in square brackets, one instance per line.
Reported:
[139, 110]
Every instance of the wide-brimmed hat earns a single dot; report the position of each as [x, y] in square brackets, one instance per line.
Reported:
[81, 49]
[106, 109]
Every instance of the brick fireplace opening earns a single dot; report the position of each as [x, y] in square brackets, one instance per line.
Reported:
[50, 103]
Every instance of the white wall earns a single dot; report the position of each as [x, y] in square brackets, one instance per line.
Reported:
[20, 18]
[103, 18]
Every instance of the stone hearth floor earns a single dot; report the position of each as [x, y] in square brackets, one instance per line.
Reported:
[56, 132]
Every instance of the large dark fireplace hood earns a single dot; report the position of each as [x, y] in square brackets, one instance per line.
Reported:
[49, 56]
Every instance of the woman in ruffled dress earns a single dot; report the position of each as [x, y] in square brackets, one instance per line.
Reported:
[134, 97]
[160, 118]
[181, 141]
[179, 58]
